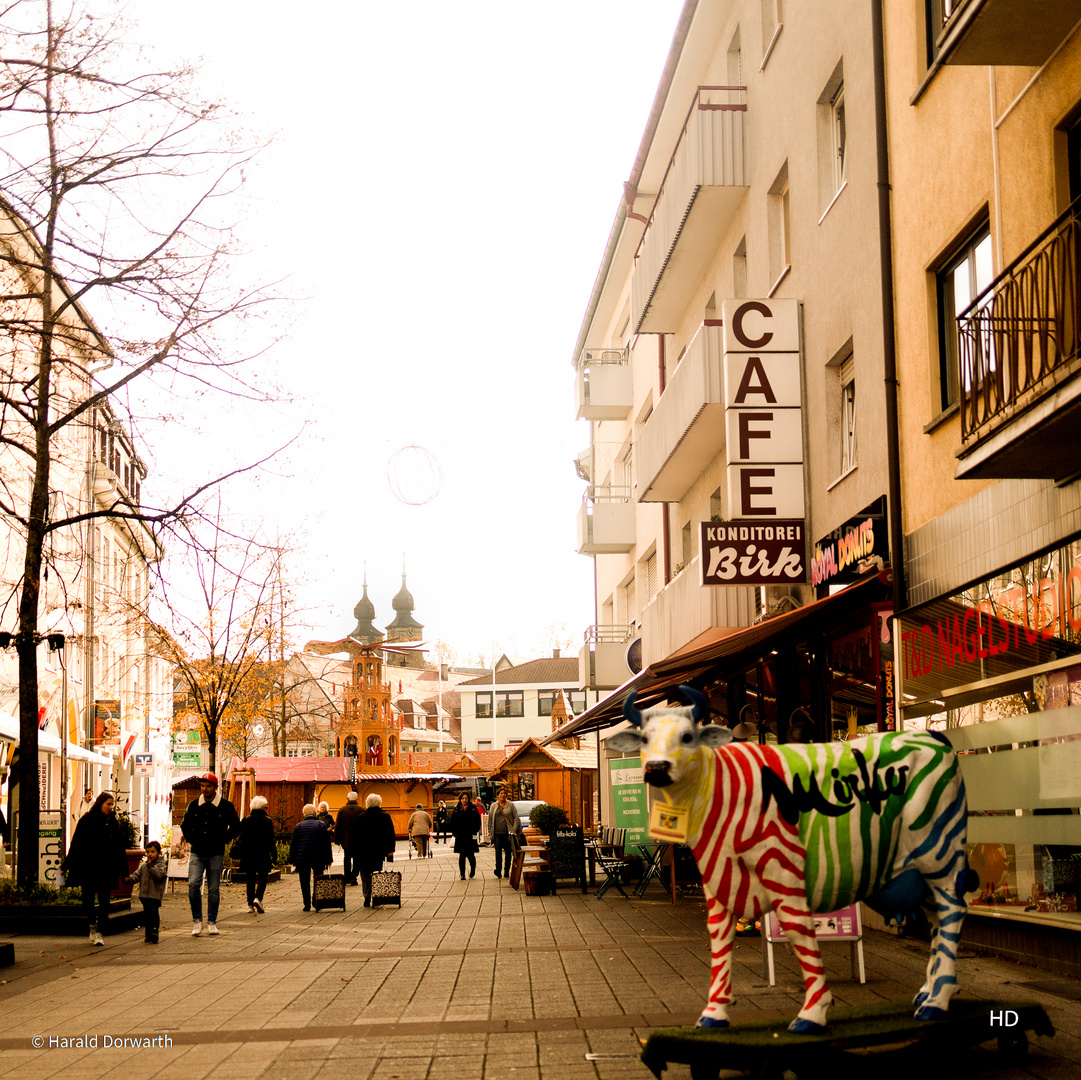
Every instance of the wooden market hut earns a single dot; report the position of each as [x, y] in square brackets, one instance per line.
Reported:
[562, 776]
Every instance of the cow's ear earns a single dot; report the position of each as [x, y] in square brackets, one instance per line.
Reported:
[714, 735]
[626, 742]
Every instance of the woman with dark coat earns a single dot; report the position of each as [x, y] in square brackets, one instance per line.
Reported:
[309, 852]
[258, 852]
[371, 840]
[464, 826]
[96, 861]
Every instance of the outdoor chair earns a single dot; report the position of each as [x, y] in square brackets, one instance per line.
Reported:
[613, 871]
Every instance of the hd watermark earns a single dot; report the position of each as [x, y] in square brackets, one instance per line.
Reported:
[100, 1042]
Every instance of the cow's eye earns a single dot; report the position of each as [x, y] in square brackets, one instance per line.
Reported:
[687, 738]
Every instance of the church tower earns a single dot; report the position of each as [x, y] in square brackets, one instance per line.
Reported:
[404, 627]
[364, 613]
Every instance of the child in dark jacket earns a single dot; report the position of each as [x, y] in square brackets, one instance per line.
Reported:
[150, 877]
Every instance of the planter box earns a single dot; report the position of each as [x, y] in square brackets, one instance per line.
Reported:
[64, 920]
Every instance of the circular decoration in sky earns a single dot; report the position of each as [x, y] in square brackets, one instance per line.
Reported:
[414, 475]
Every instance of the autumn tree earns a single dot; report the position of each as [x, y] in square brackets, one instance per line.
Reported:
[116, 181]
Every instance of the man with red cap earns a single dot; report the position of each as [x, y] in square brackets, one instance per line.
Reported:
[209, 824]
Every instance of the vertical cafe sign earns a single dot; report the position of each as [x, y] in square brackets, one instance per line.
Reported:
[765, 542]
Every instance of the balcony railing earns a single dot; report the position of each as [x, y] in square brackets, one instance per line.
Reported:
[603, 385]
[606, 521]
[998, 32]
[1022, 334]
[702, 187]
[602, 663]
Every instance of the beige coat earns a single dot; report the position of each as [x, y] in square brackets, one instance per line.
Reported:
[420, 824]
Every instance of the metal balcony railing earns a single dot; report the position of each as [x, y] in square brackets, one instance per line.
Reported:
[1016, 336]
[612, 634]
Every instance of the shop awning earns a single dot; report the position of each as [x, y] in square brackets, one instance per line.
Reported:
[47, 741]
[697, 663]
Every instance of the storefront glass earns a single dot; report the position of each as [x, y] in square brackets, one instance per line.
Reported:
[997, 667]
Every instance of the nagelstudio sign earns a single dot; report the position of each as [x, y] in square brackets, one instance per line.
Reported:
[764, 542]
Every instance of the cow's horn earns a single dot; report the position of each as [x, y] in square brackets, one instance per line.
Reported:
[630, 713]
[700, 705]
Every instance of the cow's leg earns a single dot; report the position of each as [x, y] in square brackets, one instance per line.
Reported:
[798, 925]
[722, 933]
[946, 914]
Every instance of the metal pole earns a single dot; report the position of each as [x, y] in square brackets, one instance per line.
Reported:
[64, 748]
[495, 740]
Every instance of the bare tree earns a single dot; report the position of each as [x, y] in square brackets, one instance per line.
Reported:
[115, 185]
[219, 606]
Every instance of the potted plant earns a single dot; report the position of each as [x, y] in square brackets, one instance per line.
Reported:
[130, 836]
[547, 818]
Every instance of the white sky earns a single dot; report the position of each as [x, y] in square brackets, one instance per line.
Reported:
[441, 189]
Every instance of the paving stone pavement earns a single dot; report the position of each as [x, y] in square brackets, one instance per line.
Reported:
[467, 981]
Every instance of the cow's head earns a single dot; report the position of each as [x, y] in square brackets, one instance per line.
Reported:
[668, 738]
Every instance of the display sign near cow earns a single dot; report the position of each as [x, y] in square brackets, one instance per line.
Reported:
[803, 829]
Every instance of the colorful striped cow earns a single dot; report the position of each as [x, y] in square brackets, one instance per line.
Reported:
[811, 828]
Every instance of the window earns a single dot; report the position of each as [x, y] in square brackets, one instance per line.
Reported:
[686, 547]
[651, 575]
[484, 744]
[780, 227]
[510, 703]
[837, 126]
[849, 445]
[739, 269]
[546, 701]
[964, 276]
[484, 704]
[938, 13]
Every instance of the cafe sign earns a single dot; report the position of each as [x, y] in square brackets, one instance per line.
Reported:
[763, 408]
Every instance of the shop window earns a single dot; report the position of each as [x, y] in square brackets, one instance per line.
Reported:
[965, 274]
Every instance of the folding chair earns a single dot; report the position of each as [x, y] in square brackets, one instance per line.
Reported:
[613, 873]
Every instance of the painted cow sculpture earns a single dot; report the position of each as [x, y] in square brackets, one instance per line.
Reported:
[799, 829]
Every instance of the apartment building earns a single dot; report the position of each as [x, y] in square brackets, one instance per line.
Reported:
[731, 367]
[985, 159]
[104, 689]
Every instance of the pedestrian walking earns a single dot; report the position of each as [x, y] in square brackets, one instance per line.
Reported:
[371, 841]
[82, 805]
[209, 824]
[442, 822]
[420, 830]
[503, 825]
[465, 824]
[150, 877]
[96, 861]
[309, 851]
[258, 852]
[347, 817]
[327, 818]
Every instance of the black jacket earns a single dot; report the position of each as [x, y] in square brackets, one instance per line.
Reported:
[327, 818]
[310, 845]
[465, 824]
[96, 856]
[258, 848]
[372, 839]
[347, 816]
[209, 826]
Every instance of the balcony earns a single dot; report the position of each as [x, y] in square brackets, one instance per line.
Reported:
[602, 661]
[1019, 346]
[606, 521]
[603, 387]
[686, 428]
[684, 608]
[704, 184]
[1021, 33]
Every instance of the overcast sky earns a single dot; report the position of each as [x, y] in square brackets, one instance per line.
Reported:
[440, 190]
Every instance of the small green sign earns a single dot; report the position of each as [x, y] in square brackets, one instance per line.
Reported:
[187, 759]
